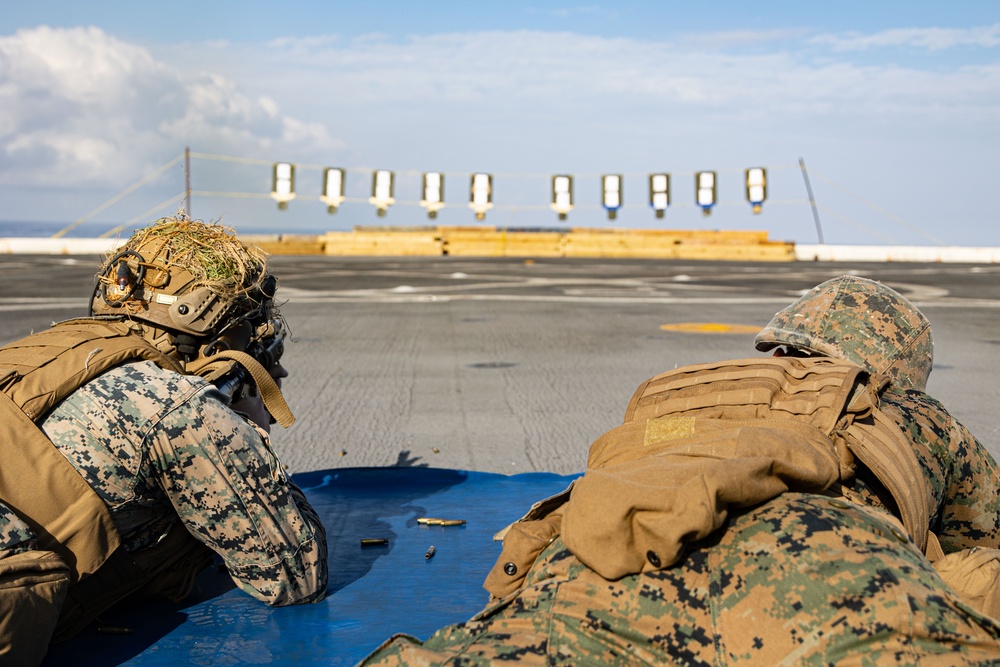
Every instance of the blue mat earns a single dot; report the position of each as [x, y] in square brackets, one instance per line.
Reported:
[375, 591]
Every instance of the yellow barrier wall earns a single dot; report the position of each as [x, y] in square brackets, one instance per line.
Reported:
[577, 242]
[289, 245]
[390, 243]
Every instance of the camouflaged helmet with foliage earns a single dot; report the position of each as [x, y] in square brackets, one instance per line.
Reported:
[859, 320]
[185, 276]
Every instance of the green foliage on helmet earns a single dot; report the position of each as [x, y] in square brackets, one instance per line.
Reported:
[184, 275]
[859, 320]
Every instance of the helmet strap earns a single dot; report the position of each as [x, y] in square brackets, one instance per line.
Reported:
[270, 393]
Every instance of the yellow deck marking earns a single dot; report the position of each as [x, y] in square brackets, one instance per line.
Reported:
[710, 327]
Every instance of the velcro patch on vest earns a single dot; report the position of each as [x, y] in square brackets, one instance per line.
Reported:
[668, 428]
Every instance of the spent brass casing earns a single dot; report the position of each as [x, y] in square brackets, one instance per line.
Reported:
[430, 521]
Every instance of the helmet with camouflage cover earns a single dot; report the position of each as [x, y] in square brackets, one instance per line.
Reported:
[859, 320]
[189, 283]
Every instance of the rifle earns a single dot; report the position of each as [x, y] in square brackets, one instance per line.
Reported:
[266, 348]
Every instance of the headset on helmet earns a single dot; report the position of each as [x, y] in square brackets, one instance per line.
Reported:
[859, 320]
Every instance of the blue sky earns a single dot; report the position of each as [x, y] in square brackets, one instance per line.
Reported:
[894, 107]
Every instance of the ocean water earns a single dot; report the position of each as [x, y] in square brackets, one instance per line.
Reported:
[35, 229]
[93, 230]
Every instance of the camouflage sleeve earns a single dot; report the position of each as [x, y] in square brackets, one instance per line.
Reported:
[970, 508]
[962, 473]
[232, 493]
[15, 535]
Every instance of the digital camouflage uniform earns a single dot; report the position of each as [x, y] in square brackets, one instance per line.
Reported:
[178, 472]
[15, 535]
[158, 446]
[803, 579]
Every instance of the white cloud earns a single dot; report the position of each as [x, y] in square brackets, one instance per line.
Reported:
[729, 75]
[80, 107]
[568, 12]
[930, 39]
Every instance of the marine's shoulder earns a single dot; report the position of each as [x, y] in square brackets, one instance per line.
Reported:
[139, 388]
[922, 417]
[914, 401]
[149, 374]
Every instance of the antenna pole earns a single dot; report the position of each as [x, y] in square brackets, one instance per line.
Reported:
[187, 181]
[812, 200]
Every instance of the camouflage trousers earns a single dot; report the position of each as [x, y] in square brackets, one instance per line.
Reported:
[33, 585]
[801, 580]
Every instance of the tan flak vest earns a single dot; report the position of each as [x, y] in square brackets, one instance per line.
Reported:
[702, 440]
[46, 491]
